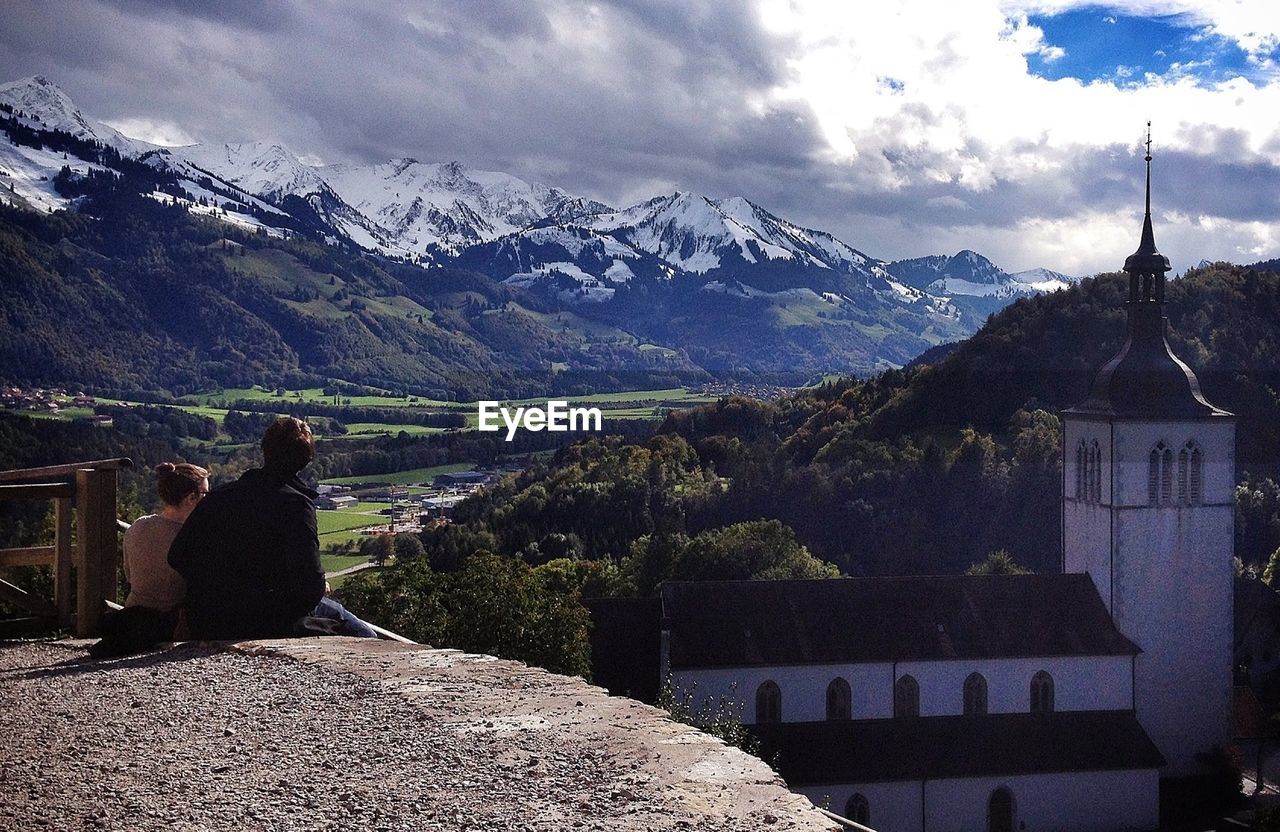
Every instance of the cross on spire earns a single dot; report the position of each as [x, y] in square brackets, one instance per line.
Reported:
[1148, 173]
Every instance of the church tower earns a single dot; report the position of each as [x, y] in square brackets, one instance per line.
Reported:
[1148, 513]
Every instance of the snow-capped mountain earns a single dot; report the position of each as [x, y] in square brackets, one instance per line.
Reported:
[730, 246]
[968, 273]
[400, 207]
[684, 268]
[39, 99]
[698, 235]
[1043, 280]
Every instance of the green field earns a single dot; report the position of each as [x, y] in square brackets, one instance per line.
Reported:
[363, 429]
[334, 563]
[411, 477]
[317, 395]
[341, 538]
[328, 522]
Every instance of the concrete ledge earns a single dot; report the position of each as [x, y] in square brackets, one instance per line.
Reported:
[356, 734]
[660, 765]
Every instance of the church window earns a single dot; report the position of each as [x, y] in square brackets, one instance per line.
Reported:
[906, 697]
[1160, 475]
[1000, 811]
[1095, 473]
[975, 695]
[1080, 472]
[1183, 459]
[1041, 693]
[858, 810]
[839, 700]
[1153, 477]
[769, 702]
[1195, 486]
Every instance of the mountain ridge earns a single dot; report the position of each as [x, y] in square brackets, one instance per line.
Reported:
[681, 271]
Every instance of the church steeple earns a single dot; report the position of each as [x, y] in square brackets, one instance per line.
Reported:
[1147, 266]
[1145, 379]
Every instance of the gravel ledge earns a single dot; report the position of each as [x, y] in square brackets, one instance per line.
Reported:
[354, 734]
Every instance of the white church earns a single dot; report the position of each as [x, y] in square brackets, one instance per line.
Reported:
[1010, 702]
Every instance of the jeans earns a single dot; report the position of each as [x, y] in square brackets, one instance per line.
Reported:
[351, 625]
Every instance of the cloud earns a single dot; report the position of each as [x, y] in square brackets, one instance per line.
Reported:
[905, 128]
[162, 133]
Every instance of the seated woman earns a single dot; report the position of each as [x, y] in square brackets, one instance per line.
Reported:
[156, 590]
[152, 581]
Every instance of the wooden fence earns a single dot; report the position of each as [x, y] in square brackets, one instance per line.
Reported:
[87, 492]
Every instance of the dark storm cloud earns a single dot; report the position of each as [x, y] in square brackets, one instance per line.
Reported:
[614, 100]
[274, 16]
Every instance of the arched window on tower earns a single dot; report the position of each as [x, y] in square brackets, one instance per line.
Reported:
[906, 697]
[975, 695]
[1195, 484]
[1160, 475]
[1166, 476]
[768, 702]
[1153, 476]
[858, 810]
[1080, 472]
[1095, 481]
[839, 700]
[1183, 461]
[1041, 693]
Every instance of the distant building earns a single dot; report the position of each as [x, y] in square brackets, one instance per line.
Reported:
[464, 478]
[441, 505]
[1003, 702]
[331, 502]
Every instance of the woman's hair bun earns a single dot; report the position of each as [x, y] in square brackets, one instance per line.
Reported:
[165, 468]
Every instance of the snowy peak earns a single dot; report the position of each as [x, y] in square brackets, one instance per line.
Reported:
[968, 273]
[445, 206]
[43, 101]
[261, 168]
[699, 235]
[1043, 280]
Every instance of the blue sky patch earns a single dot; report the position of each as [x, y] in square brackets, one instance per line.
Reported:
[1104, 45]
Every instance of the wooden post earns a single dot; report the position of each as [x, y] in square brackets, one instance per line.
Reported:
[96, 546]
[110, 535]
[62, 556]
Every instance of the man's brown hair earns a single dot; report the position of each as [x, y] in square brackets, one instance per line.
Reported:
[287, 445]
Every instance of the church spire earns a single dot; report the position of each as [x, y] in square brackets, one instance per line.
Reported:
[1145, 379]
[1147, 266]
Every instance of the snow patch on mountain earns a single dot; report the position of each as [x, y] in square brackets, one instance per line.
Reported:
[1043, 280]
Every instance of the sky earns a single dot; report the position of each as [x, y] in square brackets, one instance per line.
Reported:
[1011, 127]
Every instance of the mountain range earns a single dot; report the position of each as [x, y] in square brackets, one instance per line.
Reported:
[679, 271]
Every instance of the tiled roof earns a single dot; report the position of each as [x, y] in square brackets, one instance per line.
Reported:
[753, 623]
[887, 750]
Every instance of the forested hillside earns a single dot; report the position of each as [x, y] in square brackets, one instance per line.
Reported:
[142, 296]
[923, 470]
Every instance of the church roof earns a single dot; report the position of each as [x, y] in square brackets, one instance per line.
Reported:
[887, 750]
[851, 620]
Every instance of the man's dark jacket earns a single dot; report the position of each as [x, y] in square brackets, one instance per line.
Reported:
[251, 558]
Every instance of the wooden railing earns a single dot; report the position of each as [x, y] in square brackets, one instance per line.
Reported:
[89, 490]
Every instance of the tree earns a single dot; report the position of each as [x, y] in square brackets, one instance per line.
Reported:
[408, 547]
[764, 549]
[494, 605]
[998, 562]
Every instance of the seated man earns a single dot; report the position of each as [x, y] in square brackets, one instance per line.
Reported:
[249, 551]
